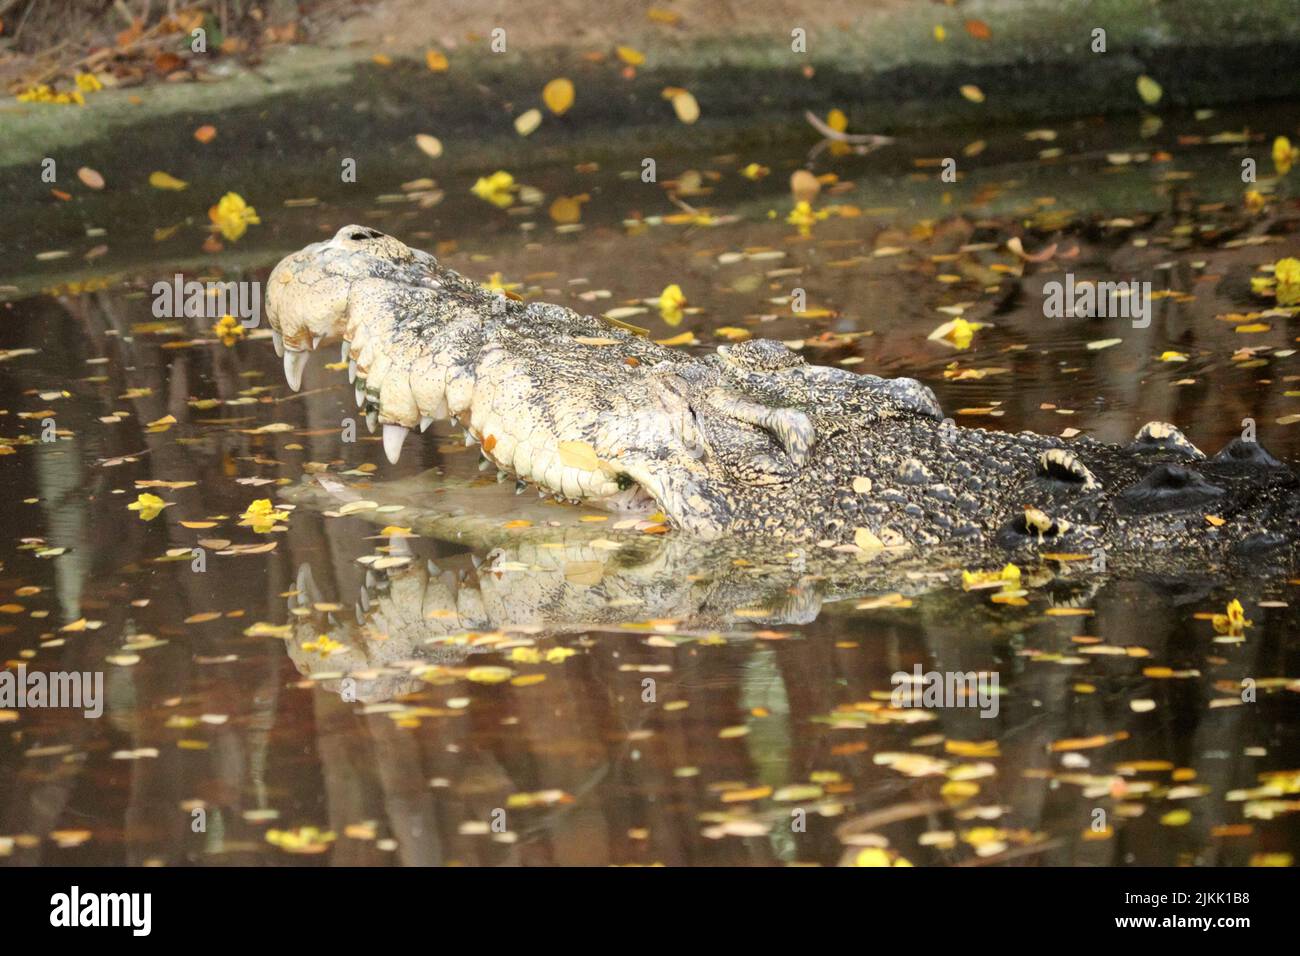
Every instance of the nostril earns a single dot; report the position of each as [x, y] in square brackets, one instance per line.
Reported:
[359, 236]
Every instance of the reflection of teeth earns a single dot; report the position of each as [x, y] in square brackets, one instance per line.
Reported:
[394, 435]
[294, 363]
[278, 341]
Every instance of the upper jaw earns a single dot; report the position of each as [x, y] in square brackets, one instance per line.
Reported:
[412, 335]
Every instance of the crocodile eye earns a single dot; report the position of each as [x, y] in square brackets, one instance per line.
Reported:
[359, 236]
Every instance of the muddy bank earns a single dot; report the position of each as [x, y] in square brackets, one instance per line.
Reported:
[895, 66]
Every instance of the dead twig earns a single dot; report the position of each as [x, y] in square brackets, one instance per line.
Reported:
[869, 140]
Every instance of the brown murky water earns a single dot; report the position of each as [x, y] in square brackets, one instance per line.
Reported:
[591, 695]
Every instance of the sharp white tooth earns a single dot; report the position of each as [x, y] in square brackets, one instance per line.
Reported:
[315, 341]
[485, 464]
[370, 578]
[278, 341]
[455, 421]
[394, 435]
[352, 370]
[372, 419]
[294, 363]
[501, 475]
[469, 439]
[520, 486]
[359, 393]
[344, 349]
[425, 422]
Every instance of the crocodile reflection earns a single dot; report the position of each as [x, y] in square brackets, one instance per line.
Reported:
[420, 619]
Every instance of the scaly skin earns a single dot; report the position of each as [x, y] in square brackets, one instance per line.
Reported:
[751, 442]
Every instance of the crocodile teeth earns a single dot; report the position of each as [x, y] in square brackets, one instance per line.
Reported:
[520, 486]
[372, 419]
[345, 349]
[352, 370]
[294, 363]
[278, 341]
[469, 439]
[425, 422]
[315, 341]
[359, 393]
[394, 435]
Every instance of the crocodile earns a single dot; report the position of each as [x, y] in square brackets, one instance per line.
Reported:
[752, 442]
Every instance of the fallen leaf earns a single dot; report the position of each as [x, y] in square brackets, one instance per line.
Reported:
[161, 180]
[558, 95]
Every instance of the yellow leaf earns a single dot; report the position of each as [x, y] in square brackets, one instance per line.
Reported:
[972, 93]
[1149, 90]
[526, 123]
[429, 145]
[436, 61]
[630, 56]
[488, 674]
[686, 107]
[558, 95]
[148, 505]
[671, 302]
[686, 338]
[566, 209]
[867, 541]
[159, 180]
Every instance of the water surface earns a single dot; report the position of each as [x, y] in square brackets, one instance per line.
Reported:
[294, 704]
